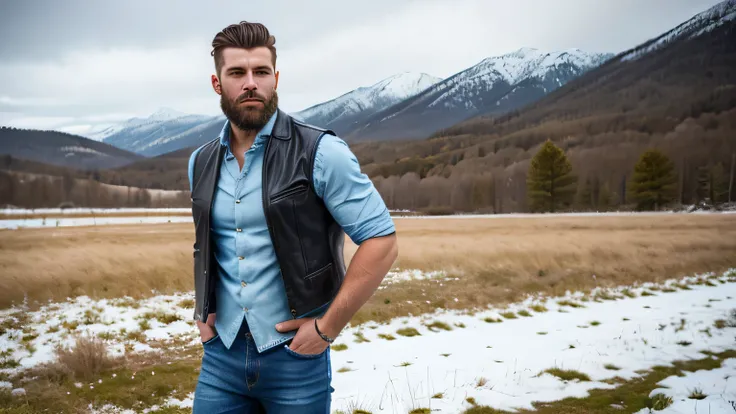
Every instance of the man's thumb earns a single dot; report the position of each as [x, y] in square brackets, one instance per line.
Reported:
[289, 325]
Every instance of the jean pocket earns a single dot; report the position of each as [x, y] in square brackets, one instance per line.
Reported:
[211, 340]
[304, 356]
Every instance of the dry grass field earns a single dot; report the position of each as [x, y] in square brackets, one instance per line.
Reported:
[496, 259]
[486, 260]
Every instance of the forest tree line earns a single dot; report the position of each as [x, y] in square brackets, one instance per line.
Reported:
[488, 173]
[579, 186]
[23, 190]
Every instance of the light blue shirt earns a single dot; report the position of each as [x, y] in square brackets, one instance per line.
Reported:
[249, 277]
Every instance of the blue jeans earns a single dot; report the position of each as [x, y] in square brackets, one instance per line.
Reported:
[276, 381]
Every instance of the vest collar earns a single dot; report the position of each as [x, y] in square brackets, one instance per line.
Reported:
[282, 127]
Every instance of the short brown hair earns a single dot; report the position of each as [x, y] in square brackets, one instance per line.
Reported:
[244, 35]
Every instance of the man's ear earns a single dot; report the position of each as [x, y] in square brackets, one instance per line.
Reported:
[216, 85]
[277, 80]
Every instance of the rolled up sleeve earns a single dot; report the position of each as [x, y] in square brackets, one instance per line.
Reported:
[349, 194]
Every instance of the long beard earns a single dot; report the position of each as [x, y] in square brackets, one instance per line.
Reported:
[248, 118]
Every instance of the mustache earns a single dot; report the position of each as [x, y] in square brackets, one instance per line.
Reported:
[249, 95]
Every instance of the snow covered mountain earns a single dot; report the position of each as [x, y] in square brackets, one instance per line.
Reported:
[150, 136]
[706, 21]
[494, 85]
[347, 111]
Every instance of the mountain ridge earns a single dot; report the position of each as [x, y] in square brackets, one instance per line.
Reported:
[351, 108]
[495, 84]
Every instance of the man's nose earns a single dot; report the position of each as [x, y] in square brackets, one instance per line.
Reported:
[249, 83]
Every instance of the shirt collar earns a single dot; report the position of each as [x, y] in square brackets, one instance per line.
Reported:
[261, 137]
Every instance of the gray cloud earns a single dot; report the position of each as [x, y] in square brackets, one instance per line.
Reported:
[75, 64]
[48, 29]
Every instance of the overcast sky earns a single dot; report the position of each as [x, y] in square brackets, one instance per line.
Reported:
[72, 65]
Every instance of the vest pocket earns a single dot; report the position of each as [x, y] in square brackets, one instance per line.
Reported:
[288, 193]
[319, 272]
[321, 280]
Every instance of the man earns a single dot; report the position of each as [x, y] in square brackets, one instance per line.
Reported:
[271, 200]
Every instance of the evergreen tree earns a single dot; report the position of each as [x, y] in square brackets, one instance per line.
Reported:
[550, 180]
[653, 183]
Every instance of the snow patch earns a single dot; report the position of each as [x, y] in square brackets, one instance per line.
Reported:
[71, 150]
[717, 386]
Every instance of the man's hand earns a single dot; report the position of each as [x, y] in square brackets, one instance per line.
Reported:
[307, 341]
[207, 330]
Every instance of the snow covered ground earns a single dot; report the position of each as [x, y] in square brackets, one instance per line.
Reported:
[161, 317]
[718, 388]
[499, 364]
[486, 355]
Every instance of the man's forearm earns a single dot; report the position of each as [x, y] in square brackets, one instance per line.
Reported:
[369, 266]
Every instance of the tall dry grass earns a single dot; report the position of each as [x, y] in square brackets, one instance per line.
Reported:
[88, 357]
[498, 259]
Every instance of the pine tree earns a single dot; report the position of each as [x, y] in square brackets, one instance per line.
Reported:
[550, 180]
[653, 183]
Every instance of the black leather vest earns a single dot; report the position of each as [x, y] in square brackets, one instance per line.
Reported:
[307, 240]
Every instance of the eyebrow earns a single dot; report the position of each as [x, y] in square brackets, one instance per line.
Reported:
[262, 67]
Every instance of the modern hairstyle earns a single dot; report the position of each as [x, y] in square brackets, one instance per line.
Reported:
[244, 35]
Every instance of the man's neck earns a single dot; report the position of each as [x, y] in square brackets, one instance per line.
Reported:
[241, 140]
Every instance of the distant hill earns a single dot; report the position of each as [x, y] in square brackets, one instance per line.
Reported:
[62, 149]
[165, 172]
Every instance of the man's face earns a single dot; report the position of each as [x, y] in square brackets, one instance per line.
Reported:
[247, 87]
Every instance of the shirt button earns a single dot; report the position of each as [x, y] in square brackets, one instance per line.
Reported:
[245, 309]
[237, 201]
[241, 258]
[238, 230]
[243, 284]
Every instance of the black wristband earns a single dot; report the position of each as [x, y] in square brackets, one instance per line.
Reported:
[325, 337]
